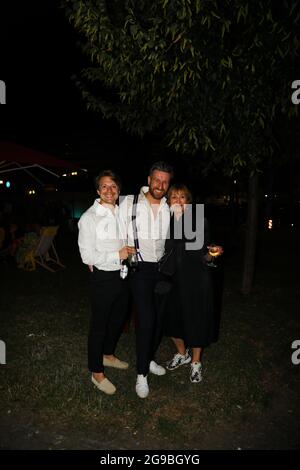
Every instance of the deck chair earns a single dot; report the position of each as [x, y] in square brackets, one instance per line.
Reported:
[44, 252]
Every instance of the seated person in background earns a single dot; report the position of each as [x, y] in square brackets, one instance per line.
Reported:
[12, 237]
[22, 243]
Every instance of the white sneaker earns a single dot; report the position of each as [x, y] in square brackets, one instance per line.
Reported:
[141, 387]
[156, 369]
[178, 360]
[196, 372]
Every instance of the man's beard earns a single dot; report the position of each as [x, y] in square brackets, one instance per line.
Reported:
[163, 193]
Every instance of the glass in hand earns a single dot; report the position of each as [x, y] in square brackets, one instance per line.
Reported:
[214, 251]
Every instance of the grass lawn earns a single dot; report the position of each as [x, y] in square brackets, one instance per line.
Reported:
[249, 397]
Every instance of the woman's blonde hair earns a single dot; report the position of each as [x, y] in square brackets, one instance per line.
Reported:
[183, 188]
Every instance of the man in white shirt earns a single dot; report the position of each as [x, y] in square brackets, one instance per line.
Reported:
[102, 247]
[152, 224]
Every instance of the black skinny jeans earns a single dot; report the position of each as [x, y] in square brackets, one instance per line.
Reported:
[150, 310]
[109, 305]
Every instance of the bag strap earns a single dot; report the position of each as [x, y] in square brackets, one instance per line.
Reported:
[135, 234]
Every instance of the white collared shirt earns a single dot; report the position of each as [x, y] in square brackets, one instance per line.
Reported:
[152, 230]
[101, 237]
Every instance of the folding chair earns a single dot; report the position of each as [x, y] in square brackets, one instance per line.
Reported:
[44, 252]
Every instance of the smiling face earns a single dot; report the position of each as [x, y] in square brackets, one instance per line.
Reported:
[178, 200]
[159, 182]
[108, 190]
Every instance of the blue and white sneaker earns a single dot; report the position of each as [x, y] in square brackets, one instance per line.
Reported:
[179, 360]
[196, 372]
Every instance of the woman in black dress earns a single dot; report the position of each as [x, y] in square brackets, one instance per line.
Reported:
[190, 318]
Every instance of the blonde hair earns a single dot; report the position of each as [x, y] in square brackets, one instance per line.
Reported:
[183, 188]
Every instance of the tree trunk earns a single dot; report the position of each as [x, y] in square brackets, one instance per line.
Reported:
[251, 235]
[269, 199]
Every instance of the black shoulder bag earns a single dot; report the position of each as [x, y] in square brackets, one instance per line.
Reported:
[166, 264]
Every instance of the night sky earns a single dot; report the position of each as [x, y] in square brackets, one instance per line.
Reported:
[36, 62]
[44, 110]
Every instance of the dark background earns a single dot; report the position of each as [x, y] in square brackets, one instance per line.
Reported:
[44, 110]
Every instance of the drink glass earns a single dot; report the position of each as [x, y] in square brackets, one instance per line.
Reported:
[214, 251]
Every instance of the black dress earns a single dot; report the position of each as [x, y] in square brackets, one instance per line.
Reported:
[189, 309]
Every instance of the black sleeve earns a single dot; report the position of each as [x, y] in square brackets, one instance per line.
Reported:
[207, 236]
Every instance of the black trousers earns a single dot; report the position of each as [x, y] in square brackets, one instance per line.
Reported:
[109, 304]
[150, 311]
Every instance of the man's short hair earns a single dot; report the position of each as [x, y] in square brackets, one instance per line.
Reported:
[162, 166]
[116, 178]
